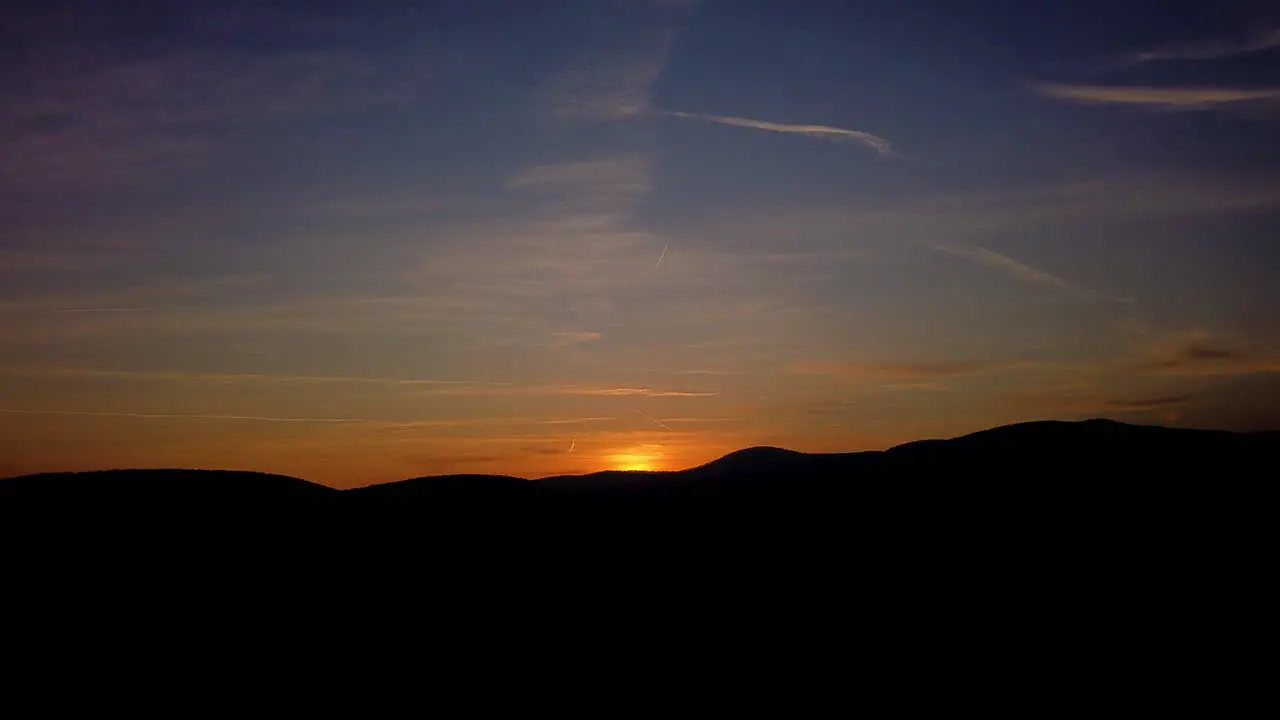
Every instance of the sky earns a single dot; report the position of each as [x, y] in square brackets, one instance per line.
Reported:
[360, 242]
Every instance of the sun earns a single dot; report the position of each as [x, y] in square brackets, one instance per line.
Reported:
[647, 462]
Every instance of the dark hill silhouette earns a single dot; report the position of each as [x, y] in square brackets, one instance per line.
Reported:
[754, 458]
[452, 489]
[168, 486]
[1022, 507]
[1096, 536]
[1059, 462]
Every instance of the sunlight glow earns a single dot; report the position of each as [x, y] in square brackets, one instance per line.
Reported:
[634, 460]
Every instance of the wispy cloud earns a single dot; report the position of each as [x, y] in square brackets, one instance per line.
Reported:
[1045, 402]
[183, 416]
[102, 310]
[1023, 272]
[1117, 197]
[874, 142]
[597, 392]
[429, 386]
[121, 120]
[701, 420]
[1151, 403]
[621, 172]
[564, 339]
[220, 377]
[575, 421]
[655, 421]
[1198, 354]
[613, 75]
[918, 386]
[894, 372]
[1187, 99]
[1207, 49]
[706, 371]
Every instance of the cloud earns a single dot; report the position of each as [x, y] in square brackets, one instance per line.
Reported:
[613, 90]
[701, 420]
[1206, 49]
[1109, 198]
[1024, 273]
[123, 121]
[102, 310]
[610, 392]
[927, 386]
[655, 421]
[1153, 403]
[575, 421]
[564, 339]
[1196, 354]
[890, 372]
[182, 416]
[1188, 99]
[612, 77]
[706, 371]
[1072, 401]
[626, 173]
[874, 142]
[1170, 363]
[219, 377]
[431, 386]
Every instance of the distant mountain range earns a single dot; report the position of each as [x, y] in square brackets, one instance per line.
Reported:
[1046, 460]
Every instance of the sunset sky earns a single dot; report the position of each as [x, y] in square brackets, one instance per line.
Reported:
[360, 242]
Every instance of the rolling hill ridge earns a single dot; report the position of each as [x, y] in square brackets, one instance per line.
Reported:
[1030, 453]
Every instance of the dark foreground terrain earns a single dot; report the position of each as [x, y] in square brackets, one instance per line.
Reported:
[1030, 470]
[1111, 551]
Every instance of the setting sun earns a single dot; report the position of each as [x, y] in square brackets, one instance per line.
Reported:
[645, 461]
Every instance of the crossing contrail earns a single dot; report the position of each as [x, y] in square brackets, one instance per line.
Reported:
[659, 423]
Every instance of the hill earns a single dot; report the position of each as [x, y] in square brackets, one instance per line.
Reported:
[162, 487]
[1041, 462]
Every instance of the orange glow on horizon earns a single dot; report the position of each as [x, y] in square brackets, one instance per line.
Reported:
[636, 459]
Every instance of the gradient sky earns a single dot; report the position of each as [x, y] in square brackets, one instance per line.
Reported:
[536, 237]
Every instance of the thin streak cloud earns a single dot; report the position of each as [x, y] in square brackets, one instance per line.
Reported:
[1025, 273]
[102, 310]
[1202, 98]
[182, 416]
[706, 371]
[1207, 49]
[234, 377]
[657, 422]
[896, 372]
[1151, 403]
[569, 390]
[879, 144]
[436, 387]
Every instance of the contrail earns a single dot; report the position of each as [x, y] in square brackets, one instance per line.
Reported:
[874, 142]
[659, 423]
[664, 254]
[1022, 272]
[572, 444]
